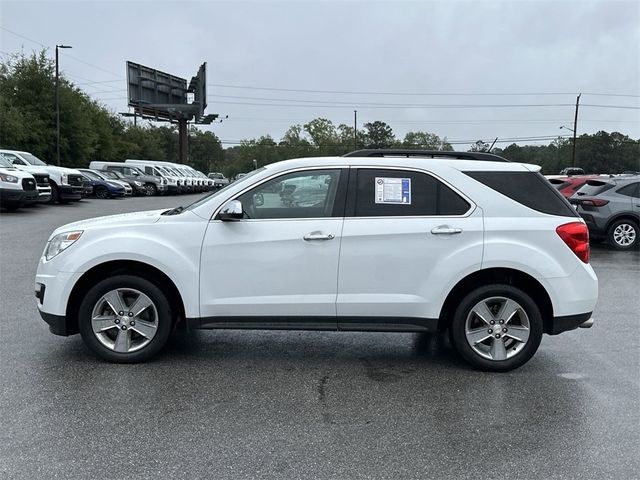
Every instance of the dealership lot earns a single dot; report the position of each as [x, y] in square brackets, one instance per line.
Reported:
[240, 404]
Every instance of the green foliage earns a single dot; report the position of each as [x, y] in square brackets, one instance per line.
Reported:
[378, 135]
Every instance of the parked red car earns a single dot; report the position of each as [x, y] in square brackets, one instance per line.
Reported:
[569, 185]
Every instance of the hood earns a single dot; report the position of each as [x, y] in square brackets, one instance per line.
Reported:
[34, 169]
[63, 170]
[111, 221]
[15, 172]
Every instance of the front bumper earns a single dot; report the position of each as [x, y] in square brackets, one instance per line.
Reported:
[30, 197]
[11, 196]
[44, 194]
[70, 192]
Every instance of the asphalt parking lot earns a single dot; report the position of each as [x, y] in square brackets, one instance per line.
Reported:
[285, 405]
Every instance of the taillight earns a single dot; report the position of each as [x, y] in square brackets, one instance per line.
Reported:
[595, 202]
[576, 236]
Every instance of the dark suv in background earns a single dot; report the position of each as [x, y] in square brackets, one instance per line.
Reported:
[611, 209]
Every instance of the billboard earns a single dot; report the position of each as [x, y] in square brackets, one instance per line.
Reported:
[154, 92]
[198, 86]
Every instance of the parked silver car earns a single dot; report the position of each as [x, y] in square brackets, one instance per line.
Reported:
[611, 209]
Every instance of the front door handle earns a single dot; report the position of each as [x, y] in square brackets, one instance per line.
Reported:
[445, 230]
[318, 236]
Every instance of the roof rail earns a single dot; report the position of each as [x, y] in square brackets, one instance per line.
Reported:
[399, 152]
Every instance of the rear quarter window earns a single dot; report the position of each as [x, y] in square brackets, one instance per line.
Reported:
[530, 189]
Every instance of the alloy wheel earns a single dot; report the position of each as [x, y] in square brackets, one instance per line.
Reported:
[124, 320]
[497, 328]
[624, 234]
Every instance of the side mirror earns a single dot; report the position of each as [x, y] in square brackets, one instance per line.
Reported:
[258, 200]
[232, 210]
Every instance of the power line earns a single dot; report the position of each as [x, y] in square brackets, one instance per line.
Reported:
[23, 37]
[348, 92]
[444, 106]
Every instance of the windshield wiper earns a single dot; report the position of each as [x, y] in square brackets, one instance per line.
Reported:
[173, 211]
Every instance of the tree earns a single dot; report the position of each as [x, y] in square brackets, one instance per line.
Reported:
[425, 141]
[480, 146]
[378, 135]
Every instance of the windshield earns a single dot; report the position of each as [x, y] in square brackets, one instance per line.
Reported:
[216, 175]
[91, 175]
[215, 193]
[32, 159]
[109, 174]
[593, 187]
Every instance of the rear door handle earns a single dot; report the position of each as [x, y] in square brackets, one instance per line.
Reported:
[318, 236]
[445, 230]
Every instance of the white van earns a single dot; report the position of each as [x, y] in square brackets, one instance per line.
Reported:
[44, 174]
[17, 188]
[151, 167]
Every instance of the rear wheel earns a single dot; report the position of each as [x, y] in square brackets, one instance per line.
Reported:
[623, 234]
[125, 319]
[497, 328]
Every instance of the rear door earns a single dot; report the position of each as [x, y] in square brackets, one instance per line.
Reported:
[406, 235]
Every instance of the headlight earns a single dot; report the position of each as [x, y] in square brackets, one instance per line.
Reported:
[8, 178]
[137, 183]
[64, 180]
[61, 242]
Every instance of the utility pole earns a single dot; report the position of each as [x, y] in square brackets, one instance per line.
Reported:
[58, 105]
[575, 129]
[355, 129]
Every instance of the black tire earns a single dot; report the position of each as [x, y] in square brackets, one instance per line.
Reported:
[101, 192]
[523, 351]
[152, 190]
[163, 321]
[623, 234]
[55, 196]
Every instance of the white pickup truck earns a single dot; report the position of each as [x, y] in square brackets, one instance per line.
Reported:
[62, 185]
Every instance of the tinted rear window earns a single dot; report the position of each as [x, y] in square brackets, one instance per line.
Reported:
[529, 189]
[429, 196]
[593, 187]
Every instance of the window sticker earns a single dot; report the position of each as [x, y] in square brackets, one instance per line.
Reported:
[393, 190]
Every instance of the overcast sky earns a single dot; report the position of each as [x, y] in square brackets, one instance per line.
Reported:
[375, 53]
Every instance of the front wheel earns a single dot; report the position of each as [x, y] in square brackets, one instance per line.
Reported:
[125, 319]
[497, 328]
[101, 192]
[151, 189]
[623, 235]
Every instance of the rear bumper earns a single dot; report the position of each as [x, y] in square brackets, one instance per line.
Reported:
[569, 322]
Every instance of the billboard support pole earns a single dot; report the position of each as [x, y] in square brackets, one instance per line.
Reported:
[183, 139]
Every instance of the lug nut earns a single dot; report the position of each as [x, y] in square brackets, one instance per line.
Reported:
[491, 330]
[131, 314]
[492, 322]
[497, 335]
[120, 313]
[504, 330]
[123, 327]
[132, 323]
[501, 322]
[117, 320]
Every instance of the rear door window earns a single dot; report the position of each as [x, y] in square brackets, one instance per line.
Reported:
[632, 190]
[394, 193]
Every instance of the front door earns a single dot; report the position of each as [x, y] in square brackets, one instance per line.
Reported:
[280, 262]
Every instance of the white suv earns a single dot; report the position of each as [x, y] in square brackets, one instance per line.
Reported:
[374, 241]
